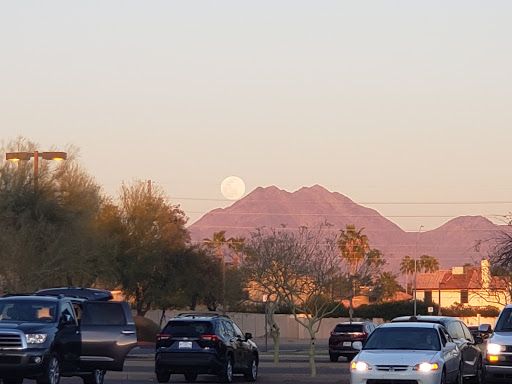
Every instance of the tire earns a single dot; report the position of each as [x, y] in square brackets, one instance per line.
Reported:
[226, 376]
[333, 357]
[163, 377]
[479, 374]
[190, 377]
[95, 377]
[52, 372]
[252, 370]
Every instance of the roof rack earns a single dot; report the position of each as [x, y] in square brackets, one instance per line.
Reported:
[201, 314]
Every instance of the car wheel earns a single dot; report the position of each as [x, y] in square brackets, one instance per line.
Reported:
[443, 377]
[478, 379]
[163, 377]
[333, 357]
[460, 378]
[51, 373]
[226, 376]
[95, 377]
[252, 371]
[190, 377]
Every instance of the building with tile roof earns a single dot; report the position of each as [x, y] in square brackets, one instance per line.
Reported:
[470, 286]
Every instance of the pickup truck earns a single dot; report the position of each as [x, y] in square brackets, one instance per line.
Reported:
[47, 335]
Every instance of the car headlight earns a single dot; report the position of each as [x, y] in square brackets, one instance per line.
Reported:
[426, 367]
[360, 366]
[493, 348]
[36, 338]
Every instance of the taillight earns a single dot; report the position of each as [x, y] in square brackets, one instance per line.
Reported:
[162, 336]
[210, 337]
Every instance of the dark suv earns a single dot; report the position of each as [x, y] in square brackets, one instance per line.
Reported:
[344, 334]
[195, 343]
[44, 337]
[467, 342]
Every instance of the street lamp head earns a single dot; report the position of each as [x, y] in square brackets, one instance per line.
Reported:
[58, 156]
[17, 156]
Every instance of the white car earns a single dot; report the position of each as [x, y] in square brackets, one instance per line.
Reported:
[410, 352]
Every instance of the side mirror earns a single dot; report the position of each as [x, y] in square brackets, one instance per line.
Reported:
[357, 345]
[485, 328]
[248, 335]
[66, 319]
[478, 339]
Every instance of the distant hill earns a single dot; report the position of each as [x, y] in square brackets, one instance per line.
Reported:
[462, 240]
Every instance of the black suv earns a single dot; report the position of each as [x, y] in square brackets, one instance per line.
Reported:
[344, 334]
[205, 343]
[46, 337]
[463, 337]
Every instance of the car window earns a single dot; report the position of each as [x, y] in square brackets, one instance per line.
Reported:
[467, 332]
[238, 331]
[348, 328]
[455, 330]
[504, 322]
[444, 337]
[103, 313]
[33, 311]
[403, 338]
[188, 328]
[227, 329]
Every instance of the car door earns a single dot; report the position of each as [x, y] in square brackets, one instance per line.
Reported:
[67, 337]
[473, 352]
[465, 346]
[451, 354]
[108, 334]
[234, 342]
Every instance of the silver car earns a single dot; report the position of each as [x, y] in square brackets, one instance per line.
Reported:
[423, 353]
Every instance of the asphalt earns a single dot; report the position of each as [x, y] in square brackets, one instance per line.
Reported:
[293, 363]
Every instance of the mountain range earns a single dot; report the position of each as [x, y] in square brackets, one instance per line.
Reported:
[464, 239]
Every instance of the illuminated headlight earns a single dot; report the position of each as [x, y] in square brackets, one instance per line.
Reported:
[493, 348]
[36, 338]
[360, 366]
[426, 367]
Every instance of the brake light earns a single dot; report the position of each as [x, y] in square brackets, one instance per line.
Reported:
[210, 337]
[162, 336]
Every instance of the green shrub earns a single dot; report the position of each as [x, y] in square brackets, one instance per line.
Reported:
[147, 329]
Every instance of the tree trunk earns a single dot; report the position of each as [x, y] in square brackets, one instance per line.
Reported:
[312, 340]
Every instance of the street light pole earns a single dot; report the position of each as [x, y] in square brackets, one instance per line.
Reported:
[18, 156]
[415, 267]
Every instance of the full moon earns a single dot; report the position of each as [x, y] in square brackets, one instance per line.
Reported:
[232, 188]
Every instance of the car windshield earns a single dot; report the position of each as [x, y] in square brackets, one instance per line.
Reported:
[188, 328]
[404, 338]
[33, 311]
[348, 328]
[504, 322]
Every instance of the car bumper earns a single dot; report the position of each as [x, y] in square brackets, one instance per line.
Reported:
[405, 377]
[181, 362]
[25, 363]
[498, 373]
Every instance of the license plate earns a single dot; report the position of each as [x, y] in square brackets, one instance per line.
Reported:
[185, 344]
[347, 343]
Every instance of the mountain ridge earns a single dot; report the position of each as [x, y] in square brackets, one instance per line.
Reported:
[463, 239]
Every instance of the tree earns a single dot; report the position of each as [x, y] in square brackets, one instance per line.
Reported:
[237, 245]
[217, 241]
[407, 268]
[363, 262]
[149, 228]
[295, 268]
[428, 263]
[49, 235]
[385, 287]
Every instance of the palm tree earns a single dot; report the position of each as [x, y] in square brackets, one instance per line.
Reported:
[353, 246]
[237, 245]
[429, 264]
[219, 238]
[407, 268]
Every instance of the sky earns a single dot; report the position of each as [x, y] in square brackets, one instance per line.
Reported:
[402, 106]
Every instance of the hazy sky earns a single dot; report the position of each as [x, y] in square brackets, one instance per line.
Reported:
[386, 102]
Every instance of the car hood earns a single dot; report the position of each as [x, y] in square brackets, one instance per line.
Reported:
[396, 357]
[504, 338]
[24, 326]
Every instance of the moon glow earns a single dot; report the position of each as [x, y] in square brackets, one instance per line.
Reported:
[232, 188]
